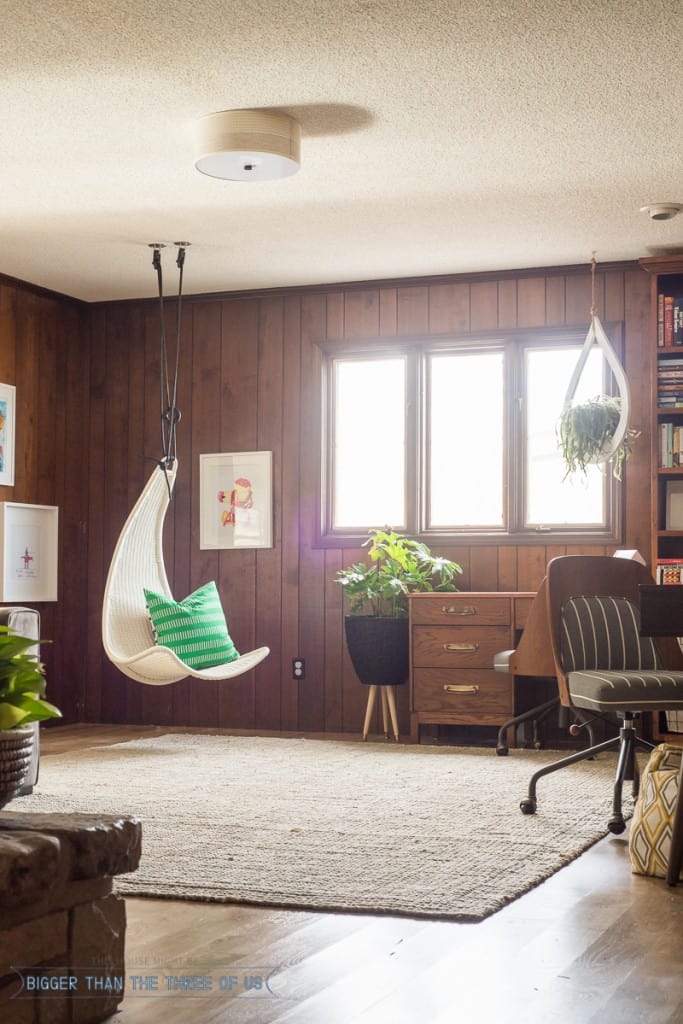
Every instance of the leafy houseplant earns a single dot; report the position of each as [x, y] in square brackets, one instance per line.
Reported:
[377, 627]
[22, 702]
[398, 567]
[22, 683]
[586, 432]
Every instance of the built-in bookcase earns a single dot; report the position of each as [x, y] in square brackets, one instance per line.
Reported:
[666, 336]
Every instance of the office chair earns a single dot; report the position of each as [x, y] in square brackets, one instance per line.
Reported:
[535, 716]
[602, 663]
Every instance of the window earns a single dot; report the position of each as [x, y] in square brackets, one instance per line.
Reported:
[465, 401]
[551, 498]
[458, 438]
[369, 432]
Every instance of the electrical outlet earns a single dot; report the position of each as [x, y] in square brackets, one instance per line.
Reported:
[298, 668]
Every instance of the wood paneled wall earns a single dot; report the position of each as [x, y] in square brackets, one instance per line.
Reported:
[249, 380]
[44, 352]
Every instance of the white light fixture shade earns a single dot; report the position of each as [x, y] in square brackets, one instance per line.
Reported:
[248, 145]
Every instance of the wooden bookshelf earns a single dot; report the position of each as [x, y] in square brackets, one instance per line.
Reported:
[667, 428]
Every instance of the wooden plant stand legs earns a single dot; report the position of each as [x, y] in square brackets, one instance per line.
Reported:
[388, 701]
[385, 711]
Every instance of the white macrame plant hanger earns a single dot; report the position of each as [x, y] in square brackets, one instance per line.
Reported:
[138, 563]
[596, 336]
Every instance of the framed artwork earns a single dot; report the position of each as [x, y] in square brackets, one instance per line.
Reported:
[674, 505]
[236, 500]
[7, 420]
[28, 552]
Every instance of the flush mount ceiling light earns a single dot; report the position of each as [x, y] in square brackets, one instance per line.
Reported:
[661, 211]
[248, 145]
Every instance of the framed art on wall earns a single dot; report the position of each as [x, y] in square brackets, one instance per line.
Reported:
[7, 420]
[674, 505]
[236, 500]
[28, 552]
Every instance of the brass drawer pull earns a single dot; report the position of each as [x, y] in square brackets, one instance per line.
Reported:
[459, 609]
[460, 688]
[463, 648]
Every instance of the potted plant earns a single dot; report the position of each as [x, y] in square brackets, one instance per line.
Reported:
[22, 702]
[586, 432]
[376, 627]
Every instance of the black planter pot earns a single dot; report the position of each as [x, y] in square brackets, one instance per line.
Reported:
[378, 649]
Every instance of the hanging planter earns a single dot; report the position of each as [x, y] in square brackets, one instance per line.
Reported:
[597, 430]
[588, 434]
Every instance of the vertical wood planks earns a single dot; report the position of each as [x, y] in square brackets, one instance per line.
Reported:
[237, 429]
[206, 391]
[268, 580]
[290, 514]
[312, 575]
[250, 380]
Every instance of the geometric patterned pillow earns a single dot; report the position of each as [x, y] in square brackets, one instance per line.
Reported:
[651, 827]
[194, 629]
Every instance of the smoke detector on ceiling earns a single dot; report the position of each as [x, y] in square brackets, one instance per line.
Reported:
[661, 211]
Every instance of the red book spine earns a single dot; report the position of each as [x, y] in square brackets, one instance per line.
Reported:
[668, 321]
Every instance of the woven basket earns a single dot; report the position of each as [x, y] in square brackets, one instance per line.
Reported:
[16, 751]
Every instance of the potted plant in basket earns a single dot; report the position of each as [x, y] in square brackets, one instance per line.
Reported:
[376, 627]
[22, 702]
[586, 432]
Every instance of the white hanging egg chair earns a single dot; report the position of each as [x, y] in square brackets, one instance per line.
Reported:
[138, 560]
[138, 564]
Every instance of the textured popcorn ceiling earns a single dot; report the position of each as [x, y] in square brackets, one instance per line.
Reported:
[438, 137]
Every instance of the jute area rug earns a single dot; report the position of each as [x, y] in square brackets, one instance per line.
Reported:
[334, 825]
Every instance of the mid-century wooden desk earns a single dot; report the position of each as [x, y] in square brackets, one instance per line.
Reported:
[453, 640]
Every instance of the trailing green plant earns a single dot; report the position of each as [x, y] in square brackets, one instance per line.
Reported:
[585, 433]
[398, 566]
[22, 683]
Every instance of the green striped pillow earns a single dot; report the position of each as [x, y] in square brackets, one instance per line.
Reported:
[194, 629]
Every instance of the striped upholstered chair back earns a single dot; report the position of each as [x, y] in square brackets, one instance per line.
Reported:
[603, 633]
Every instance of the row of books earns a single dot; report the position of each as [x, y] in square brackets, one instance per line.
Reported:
[669, 320]
[670, 383]
[670, 445]
[669, 571]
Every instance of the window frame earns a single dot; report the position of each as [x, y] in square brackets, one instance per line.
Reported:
[415, 350]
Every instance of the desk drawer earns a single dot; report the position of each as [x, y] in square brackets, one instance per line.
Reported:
[471, 696]
[458, 646]
[455, 608]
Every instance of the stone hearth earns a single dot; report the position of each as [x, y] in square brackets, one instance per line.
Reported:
[62, 928]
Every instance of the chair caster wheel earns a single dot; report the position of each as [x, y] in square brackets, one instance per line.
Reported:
[502, 751]
[616, 825]
[527, 806]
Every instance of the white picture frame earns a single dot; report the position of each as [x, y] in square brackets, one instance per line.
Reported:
[7, 433]
[28, 552]
[674, 505]
[236, 500]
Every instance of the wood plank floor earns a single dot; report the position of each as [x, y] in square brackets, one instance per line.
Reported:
[594, 943]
